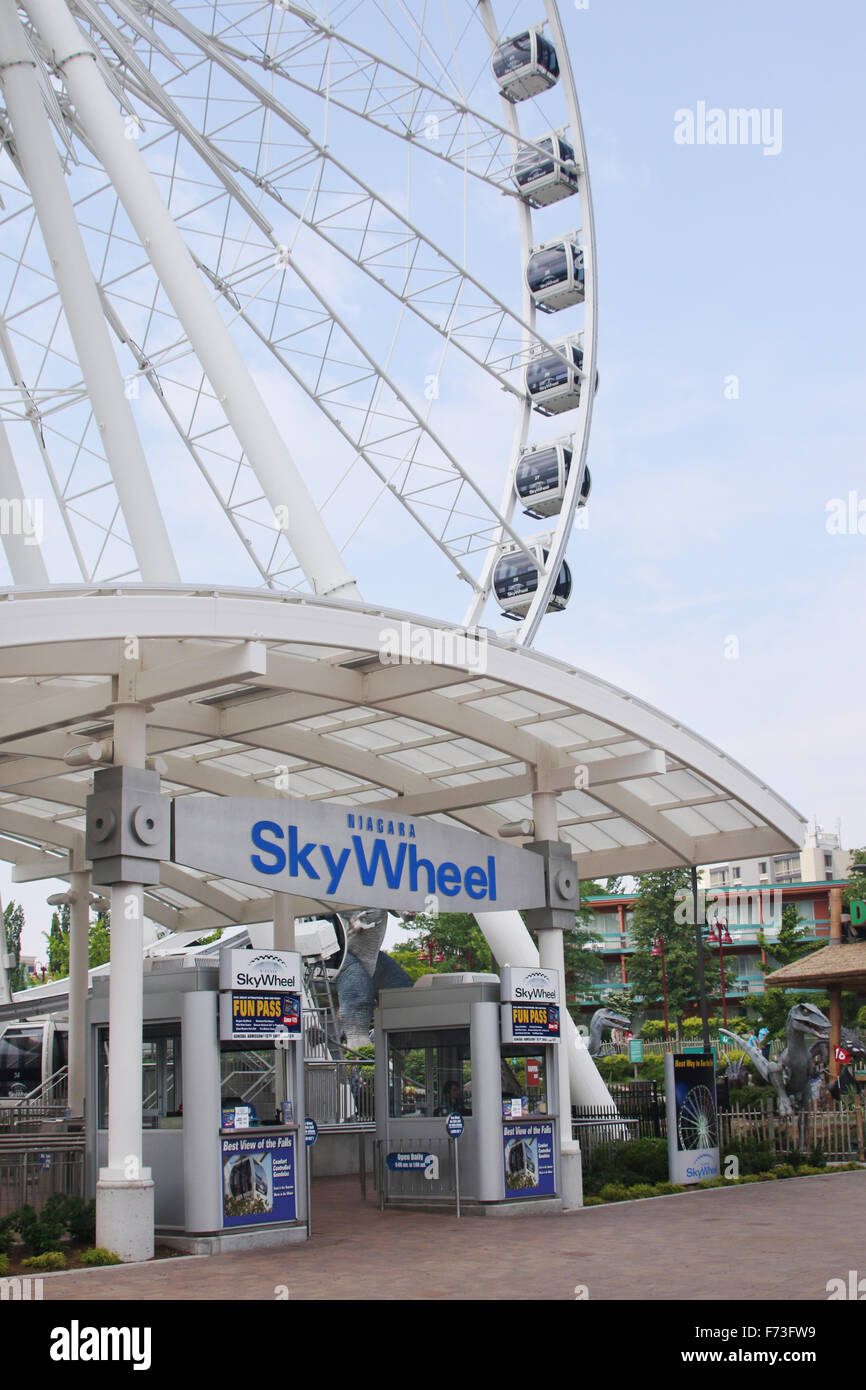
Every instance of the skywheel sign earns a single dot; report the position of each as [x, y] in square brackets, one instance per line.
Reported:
[317, 849]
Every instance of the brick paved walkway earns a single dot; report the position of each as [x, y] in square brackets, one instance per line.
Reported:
[785, 1240]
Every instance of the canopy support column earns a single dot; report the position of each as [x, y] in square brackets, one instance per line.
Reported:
[124, 1192]
[79, 940]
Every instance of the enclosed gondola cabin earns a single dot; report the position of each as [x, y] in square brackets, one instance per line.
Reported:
[546, 172]
[553, 379]
[525, 65]
[515, 581]
[541, 479]
[555, 276]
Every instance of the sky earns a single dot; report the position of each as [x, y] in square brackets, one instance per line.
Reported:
[720, 577]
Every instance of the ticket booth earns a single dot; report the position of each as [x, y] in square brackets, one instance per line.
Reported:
[462, 1045]
[223, 1097]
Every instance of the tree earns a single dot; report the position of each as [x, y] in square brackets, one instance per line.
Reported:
[654, 917]
[98, 942]
[582, 963]
[791, 944]
[457, 937]
[855, 888]
[13, 923]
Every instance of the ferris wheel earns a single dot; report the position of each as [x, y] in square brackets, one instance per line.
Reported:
[296, 295]
[696, 1122]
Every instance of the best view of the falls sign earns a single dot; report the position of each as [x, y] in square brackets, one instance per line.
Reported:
[315, 849]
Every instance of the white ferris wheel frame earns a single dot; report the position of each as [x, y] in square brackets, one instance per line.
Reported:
[57, 41]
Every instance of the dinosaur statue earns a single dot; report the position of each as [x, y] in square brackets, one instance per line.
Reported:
[601, 1019]
[791, 1074]
[365, 971]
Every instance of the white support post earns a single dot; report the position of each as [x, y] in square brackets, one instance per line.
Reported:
[551, 956]
[284, 940]
[294, 510]
[37, 152]
[124, 1192]
[79, 933]
[284, 923]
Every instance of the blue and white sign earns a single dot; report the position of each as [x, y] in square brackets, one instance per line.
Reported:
[692, 1119]
[311, 1131]
[258, 1179]
[454, 1125]
[425, 1163]
[318, 850]
[528, 1155]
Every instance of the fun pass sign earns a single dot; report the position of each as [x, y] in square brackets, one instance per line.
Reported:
[529, 1011]
[316, 849]
[260, 995]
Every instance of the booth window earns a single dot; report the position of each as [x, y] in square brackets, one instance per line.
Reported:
[524, 1080]
[429, 1073]
[248, 1078]
[161, 1084]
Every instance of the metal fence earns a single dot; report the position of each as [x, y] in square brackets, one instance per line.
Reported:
[839, 1133]
[339, 1092]
[30, 1116]
[394, 1185]
[638, 1112]
[31, 1172]
[657, 1047]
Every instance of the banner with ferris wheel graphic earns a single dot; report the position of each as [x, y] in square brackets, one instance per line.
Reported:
[693, 1129]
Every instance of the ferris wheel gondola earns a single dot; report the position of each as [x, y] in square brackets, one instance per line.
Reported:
[553, 379]
[515, 581]
[555, 275]
[546, 172]
[542, 478]
[525, 65]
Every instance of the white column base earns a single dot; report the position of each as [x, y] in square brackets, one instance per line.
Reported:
[124, 1216]
[571, 1175]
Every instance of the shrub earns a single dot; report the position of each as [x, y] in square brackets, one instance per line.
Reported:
[81, 1219]
[593, 1201]
[46, 1231]
[642, 1189]
[753, 1156]
[5, 1234]
[614, 1192]
[667, 1189]
[817, 1157]
[4, 1266]
[785, 1170]
[41, 1233]
[628, 1162]
[615, 1068]
[652, 1069]
[99, 1256]
[44, 1264]
[653, 1028]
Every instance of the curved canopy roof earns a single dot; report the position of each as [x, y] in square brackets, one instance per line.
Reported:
[274, 695]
